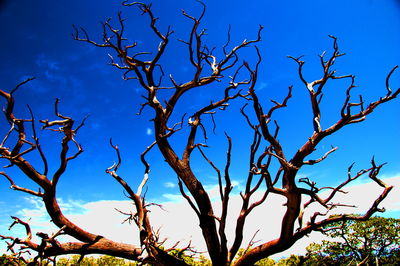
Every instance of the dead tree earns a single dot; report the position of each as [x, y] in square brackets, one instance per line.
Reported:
[209, 67]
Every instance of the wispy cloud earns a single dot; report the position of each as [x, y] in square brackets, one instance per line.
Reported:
[169, 185]
[52, 72]
[261, 85]
[172, 197]
[45, 62]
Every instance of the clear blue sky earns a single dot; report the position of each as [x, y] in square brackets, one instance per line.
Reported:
[36, 41]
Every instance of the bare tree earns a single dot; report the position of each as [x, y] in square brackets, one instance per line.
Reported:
[209, 67]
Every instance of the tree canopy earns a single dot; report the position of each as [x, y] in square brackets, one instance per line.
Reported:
[359, 242]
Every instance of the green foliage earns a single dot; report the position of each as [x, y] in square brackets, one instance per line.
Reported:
[91, 261]
[265, 262]
[11, 260]
[376, 239]
[293, 260]
[190, 260]
[102, 261]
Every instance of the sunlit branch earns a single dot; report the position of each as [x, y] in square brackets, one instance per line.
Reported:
[252, 242]
[7, 135]
[15, 187]
[311, 162]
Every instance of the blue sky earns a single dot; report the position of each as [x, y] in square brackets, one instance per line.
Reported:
[36, 41]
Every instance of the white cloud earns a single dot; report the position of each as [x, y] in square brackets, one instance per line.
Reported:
[261, 85]
[172, 197]
[169, 185]
[213, 191]
[104, 218]
[149, 131]
[34, 211]
[179, 223]
[237, 186]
